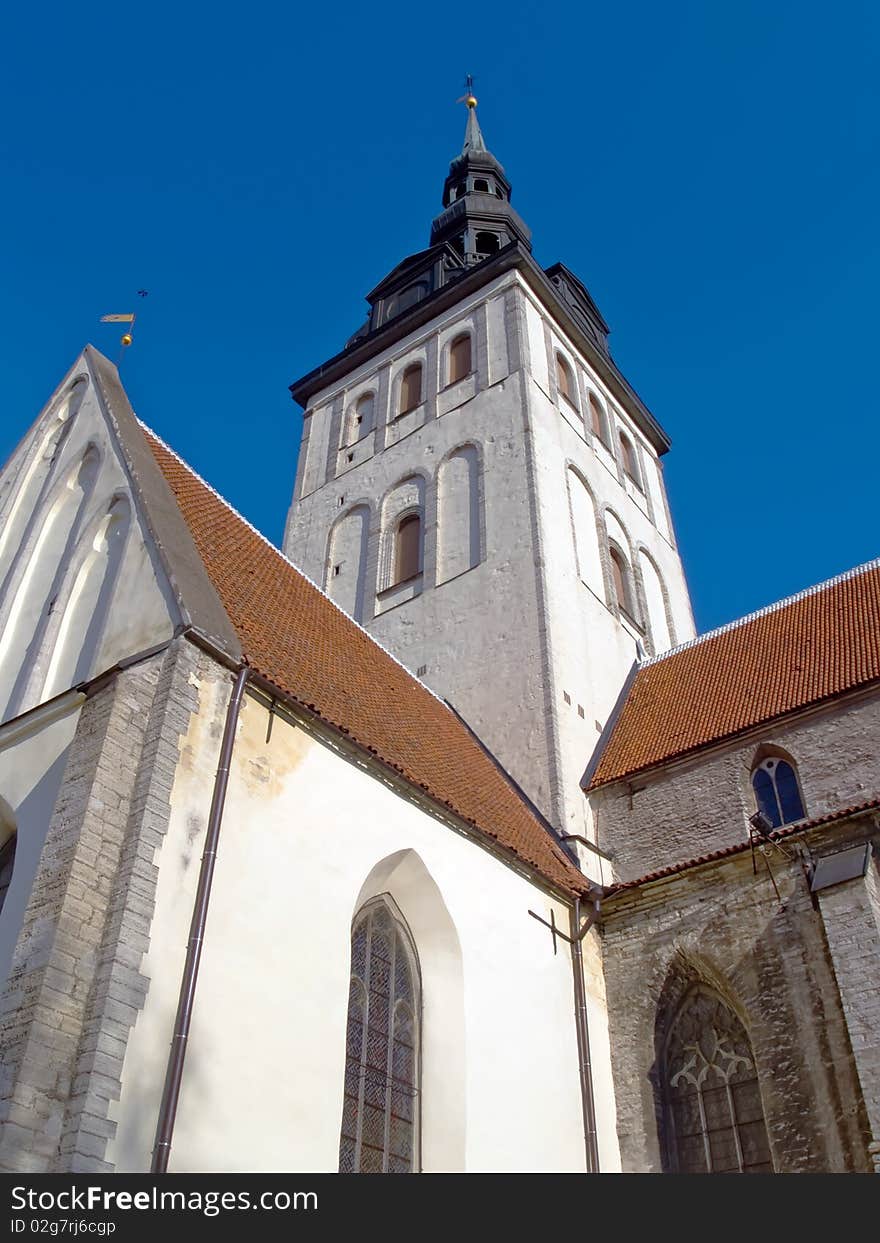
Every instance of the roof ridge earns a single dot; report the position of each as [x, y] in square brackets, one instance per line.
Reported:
[265, 539]
[815, 589]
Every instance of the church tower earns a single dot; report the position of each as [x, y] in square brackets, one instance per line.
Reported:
[480, 487]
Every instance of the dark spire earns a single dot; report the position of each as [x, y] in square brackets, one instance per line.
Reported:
[477, 219]
[473, 137]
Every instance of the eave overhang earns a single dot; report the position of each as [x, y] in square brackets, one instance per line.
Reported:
[513, 257]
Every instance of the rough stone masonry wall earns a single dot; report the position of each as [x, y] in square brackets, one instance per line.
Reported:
[663, 817]
[851, 913]
[75, 988]
[723, 926]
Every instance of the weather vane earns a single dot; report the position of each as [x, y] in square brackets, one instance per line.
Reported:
[128, 318]
[468, 97]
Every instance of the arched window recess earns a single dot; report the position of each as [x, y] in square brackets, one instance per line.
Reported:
[713, 1115]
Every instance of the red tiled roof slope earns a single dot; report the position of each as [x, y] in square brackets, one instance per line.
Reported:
[296, 638]
[817, 645]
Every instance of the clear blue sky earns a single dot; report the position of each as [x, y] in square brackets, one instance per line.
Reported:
[710, 170]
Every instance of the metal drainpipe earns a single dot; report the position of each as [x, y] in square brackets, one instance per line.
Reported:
[177, 1054]
[582, 1030]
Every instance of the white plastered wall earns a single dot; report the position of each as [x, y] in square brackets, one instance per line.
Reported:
[33, 754]
[591, 648]
[67, 495]
[308, 835]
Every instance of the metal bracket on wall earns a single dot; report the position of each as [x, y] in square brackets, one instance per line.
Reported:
[556, 931]
[763, 842]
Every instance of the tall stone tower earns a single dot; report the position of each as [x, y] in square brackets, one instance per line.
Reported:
[479, 486]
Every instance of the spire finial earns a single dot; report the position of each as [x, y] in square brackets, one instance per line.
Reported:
[473, 139]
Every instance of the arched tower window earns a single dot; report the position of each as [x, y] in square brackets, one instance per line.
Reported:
[565, 381]
[621, 578]
[408, 548]
[487, 244]
[630, 460]
[460, 358]
[411, 388]
[380, 1110]
[598, 419]
[712, 1110]
[360, 419]
[777, 791]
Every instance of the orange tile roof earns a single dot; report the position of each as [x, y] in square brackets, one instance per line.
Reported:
[296, 638]
[801, 651]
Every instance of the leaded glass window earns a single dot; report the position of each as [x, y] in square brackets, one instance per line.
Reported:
[7, 864]
[777, 792]
[713, 1111]
[380, 1110]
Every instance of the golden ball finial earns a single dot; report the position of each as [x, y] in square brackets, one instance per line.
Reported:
[471, 101]
[127, 338]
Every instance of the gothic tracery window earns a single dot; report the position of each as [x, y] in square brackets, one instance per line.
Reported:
[380, 1110]
[713, 1115]
[777, 792]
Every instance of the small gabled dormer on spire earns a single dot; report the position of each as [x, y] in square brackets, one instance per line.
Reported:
[477, 220]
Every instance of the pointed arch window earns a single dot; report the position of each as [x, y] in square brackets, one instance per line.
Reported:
[565, 381]
[712, 1110]
[407, 548]
[460, 365]
[411, 388]
[380, 1108]
[777, 791]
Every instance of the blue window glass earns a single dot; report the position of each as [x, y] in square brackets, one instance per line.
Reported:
[765, 794]
[788, 793]
[777, 792]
